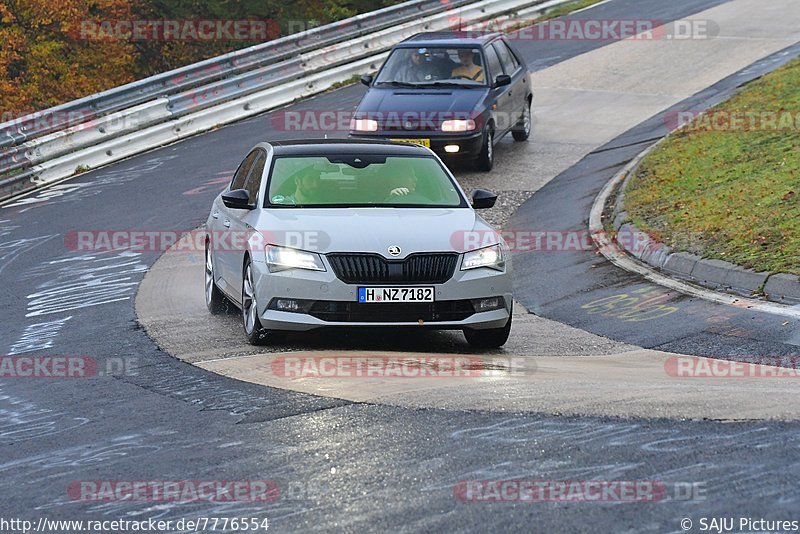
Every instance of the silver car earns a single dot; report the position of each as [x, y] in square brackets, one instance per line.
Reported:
[347, 233]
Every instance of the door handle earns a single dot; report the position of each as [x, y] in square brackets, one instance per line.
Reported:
[226, 223]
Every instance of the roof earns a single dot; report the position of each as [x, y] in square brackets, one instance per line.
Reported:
[321, 147]
[465, 38]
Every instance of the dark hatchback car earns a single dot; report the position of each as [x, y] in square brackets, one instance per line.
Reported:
[455, 94]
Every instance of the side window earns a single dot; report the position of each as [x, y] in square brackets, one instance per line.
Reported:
[243, 171]
[494, 63]
[254, 177]
[510, 63]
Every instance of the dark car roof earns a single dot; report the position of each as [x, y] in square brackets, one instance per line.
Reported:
[433, 39]
[322, 147]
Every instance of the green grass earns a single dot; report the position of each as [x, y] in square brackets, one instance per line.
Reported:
[566, 9]
[729, 195]
[355, 78]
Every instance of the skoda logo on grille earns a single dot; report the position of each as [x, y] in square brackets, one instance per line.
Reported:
[394, 250]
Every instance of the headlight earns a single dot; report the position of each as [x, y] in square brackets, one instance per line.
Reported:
[282, 258]
[458, 125]
[491, 257]
[364, 125]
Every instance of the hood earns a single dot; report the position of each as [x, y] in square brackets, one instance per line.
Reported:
[422, 100]
[374, 230]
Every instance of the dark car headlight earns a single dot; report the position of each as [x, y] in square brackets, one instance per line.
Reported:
[364, 125]
[458, 125]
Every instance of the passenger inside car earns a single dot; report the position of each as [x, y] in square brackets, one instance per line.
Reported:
[306, 186]
[467, 68]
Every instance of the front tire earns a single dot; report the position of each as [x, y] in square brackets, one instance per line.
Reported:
[485, 160]
[488, 339]
[522, 130]
[252, 324]
[215, 300]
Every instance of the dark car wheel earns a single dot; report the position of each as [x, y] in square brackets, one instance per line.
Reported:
[252, 324]
[215, 300]
[485, 160]
[522, 130]
[488, 339]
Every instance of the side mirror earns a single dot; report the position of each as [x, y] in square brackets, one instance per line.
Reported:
[501, 80]
[483, 199]
[366, 79]
[238, 199]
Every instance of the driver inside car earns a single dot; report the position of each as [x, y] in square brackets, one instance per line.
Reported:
[420, 68]
[467, 68]
[402, 182]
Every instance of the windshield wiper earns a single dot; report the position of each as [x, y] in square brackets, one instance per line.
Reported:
[399, 84]
[448, 84]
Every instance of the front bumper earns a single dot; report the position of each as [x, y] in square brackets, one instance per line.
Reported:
[469, 144]
[336, 300]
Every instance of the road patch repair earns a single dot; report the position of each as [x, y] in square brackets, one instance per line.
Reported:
[546, 367]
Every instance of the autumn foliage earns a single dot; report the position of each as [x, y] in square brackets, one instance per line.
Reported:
[44, 62]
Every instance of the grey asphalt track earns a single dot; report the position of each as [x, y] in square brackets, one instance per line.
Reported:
[358, 466]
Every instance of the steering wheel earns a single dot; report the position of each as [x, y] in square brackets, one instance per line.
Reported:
[413, 197]
[461, 77]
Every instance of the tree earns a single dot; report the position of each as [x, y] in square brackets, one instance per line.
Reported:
[45, 59]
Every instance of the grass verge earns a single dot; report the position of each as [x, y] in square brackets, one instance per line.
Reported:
[728, 185]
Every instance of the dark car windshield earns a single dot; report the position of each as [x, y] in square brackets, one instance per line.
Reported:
[434, 66]
[360, 181]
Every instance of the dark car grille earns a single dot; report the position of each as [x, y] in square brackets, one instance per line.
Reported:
[408, 126]
[372, 268]
[358, 312]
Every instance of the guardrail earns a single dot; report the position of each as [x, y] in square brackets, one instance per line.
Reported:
[155, 111]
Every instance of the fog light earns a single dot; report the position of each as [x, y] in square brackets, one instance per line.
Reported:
[488, 304]
[451, 149]
[290, 305]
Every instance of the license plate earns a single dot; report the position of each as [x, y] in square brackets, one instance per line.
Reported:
[424, 142]
[395, 294]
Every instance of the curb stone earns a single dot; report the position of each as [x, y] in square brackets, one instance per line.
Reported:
[783, 288]
[713, 274]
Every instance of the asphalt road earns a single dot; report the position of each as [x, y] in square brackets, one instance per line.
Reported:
[353, 466]
[582, 289]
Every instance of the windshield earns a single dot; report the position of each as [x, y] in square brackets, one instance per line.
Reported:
[360, 181]
[429, 66]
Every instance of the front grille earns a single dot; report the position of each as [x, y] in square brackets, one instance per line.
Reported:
[373, 268]
[395, 312]
[408, 128]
